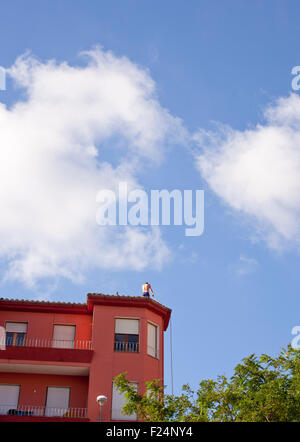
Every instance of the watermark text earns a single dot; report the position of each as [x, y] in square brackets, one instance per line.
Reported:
[161, 207]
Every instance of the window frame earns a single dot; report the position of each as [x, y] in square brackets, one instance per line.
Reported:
[63, 340]
[14, 341]
[15, 335]
[12, 385]
[126, 341]
[123, 417]
[157, 338]
[56, 386]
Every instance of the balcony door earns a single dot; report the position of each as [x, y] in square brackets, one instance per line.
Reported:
[127, 334]
[9, 398]
[15, 333]
[57, 403]
[63, 336]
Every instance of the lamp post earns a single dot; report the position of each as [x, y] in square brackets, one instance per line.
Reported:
[101, 399]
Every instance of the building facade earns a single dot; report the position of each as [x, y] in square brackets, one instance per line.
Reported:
[56, 358]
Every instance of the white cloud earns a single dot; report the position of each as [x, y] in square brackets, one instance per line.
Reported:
[244, 266]
[257, 171]
[52, 143]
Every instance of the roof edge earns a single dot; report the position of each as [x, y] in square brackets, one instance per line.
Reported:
[42, 306]
[127, 301]
[87, 308]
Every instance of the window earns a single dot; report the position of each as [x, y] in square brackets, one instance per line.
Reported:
[63, 336]
[2, 338]
[153, 340]
[57, 403]
[9, 398]
[15, 333]
[118, 400]
[127, 335]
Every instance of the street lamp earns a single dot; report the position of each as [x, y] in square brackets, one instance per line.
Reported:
[101, 401]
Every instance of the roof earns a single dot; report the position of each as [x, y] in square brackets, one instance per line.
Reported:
[36, 301]
[42, 306]
[86, 308]
[135, 301]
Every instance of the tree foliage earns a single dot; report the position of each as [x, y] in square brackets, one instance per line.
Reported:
[261, 389]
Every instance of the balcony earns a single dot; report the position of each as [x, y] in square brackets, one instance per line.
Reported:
[48, 343]
[41, 413]
[128, 347]
[46, 349]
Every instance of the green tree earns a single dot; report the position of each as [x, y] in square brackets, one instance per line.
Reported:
[262, 389]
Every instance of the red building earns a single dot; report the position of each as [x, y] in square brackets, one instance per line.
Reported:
[57, 357]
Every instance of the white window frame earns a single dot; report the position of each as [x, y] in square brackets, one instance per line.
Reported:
[157, 336]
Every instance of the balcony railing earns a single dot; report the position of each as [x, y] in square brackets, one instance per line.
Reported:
[42, 411]
[131, 347]
[46, 343]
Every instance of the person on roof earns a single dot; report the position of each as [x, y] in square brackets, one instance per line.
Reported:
[146, 288]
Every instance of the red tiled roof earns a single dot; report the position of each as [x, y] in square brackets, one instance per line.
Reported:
[36, 301]
[86, 308]
[102, 295]
[42, 306]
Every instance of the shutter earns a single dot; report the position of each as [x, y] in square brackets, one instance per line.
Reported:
[57, 401]
[152, 333]
[127, 326]
[118, 400]
[16, 327]
[9, 397]
[63, 336]
[2, 338]
[157, 342]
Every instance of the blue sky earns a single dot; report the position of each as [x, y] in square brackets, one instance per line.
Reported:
[235, 289]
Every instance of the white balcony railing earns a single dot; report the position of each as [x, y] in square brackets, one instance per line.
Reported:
[130, 347]
[34, 410]
[46, 343]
